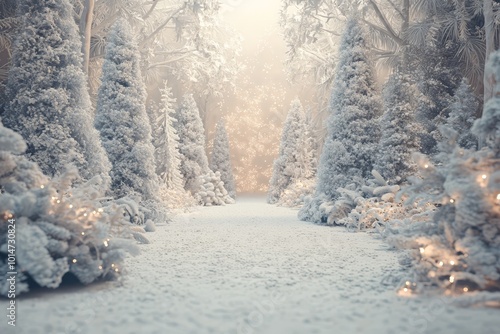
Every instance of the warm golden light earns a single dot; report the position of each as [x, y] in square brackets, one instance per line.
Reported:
[452, 279]
[74, 261]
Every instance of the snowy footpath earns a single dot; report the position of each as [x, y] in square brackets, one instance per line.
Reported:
[250, 268]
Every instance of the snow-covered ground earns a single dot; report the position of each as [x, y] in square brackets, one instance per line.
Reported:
[250, 268]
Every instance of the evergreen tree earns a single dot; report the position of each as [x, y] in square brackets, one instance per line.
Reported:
[352, 129]
[48, 100]
[194, 161]
[463, 110]
[122, 119]
[166, 142]
[399, 131]
[293, 162]
[59, 229]
[221, 159]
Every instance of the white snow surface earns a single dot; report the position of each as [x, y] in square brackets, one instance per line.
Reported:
[249, 268]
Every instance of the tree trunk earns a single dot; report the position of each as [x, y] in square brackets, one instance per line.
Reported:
[489, 33]
[86, 32]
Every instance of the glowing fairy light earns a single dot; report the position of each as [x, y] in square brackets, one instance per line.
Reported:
[441, 263]
[83, 233]
[484, 176]
[71, 206]
[452, 279]
[452, 200]
[106, 243]
[42, 186]
[422, 250]
[58, 201]
[426, 166]
[74, 261]
[466, 289]
[452, 262]
[100, 267]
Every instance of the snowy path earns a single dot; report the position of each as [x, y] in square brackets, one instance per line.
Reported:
[250, 268]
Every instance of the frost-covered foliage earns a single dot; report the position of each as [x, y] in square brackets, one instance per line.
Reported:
[60, 229]
[194, 161]
[221, 159]
[399, 131]
[463, 110]
[351, 144]
[212, 191]
[167, 155]
[294, 162]
[123, 122]
[48, 100]
[295, 194]
[437, 79]
[457, 248]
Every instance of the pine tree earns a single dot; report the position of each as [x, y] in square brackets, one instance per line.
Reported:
[48, 100]
[399, 131]
[194, 161]
[293, 162]
[59, 229]
[166, 142]
[352, 129]
[221, 159]
[122, 120]
[463, 110]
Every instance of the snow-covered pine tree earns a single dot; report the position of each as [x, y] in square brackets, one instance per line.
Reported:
[59, 229]
[291, 162]
[166, 142]
[399, 131]
[221, 159]
[194, 161]
[49, 104]
[463, 111]
[353, 134]
[122, 120]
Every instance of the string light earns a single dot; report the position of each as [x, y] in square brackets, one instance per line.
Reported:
[426, 166]
[452, 262]
[105, 243]
[441, 263]
[85, 214]
[116, 269]
[112, 265]
[405, 289]
[466, 289]
[452, 200]
[484, 176]
[71, 206]
[74, 261]
[83, 233]
[100, 210]
[42, 186]
[422, 250]
[100, 267]
[452, 279]
[498, 197]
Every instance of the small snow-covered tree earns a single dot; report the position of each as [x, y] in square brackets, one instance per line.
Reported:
[221, 159]
[48, 100]
[194, 161]
[166, 142]
[399, 131]
[294, 159]
[353, 134]
[122, 119]
[59, 228]
[211, 190]
[463, 110]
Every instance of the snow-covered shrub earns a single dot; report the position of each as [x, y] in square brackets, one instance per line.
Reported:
[295, 194]
[123, 123]
[194, 161]
[48, 102]
[221, 159]
[212, 191]
[352, 138]
[59, 228]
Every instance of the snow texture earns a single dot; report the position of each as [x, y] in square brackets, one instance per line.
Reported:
[47, 91]
[221, 159]
[251, 268]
